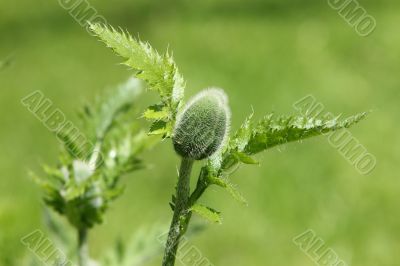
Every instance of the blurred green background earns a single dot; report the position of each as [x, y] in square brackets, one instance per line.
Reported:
[267, 55]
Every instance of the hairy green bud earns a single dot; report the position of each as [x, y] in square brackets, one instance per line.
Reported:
[203, 125]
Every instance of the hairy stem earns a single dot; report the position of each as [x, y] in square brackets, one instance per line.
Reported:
[83, 253]
[181, 212]
[201, 187]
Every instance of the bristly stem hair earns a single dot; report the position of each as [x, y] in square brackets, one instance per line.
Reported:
[181, 211]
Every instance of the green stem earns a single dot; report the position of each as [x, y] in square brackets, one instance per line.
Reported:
[201, 187]
[181, 211]
[83, 253]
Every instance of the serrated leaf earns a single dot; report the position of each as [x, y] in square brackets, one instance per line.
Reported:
[54, 176]
[272, 131]
[44, 184]
[75, 188]
[244, 158]
[114, 193]
[160, 128]
[242, 135]
[207, 213]
[73, 192]
[156, 112]
[159, 71]
[229, 187]
[114, 103]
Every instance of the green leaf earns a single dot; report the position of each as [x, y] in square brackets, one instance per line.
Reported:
[114, 193]
[276, 130]
[159, 71]
[75, 188]
[116, 102]
[156, 112]
[229, 187]
[207, 213]
[160, 128]
[55, 176]
[242, 136]
[48, 187]
[272, 131]
[244, 158]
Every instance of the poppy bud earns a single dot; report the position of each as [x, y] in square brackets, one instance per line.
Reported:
[202, 125]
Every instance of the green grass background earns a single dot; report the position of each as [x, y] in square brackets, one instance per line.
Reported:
[266, 55]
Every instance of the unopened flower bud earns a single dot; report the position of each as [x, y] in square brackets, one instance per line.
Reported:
[203, 125]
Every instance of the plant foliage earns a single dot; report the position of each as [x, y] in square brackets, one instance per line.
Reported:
[159, 71]
[161, 75]
[86, 179]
